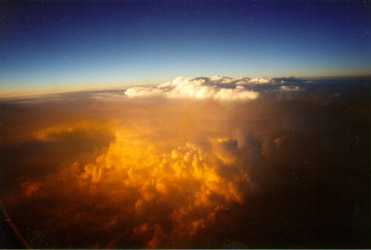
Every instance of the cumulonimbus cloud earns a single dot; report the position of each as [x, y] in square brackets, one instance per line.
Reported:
[216, 87]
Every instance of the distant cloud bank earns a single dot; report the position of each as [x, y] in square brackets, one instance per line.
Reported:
[215, 87]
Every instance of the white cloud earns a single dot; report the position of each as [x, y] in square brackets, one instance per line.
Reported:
[216, 87]
[259, 80]
[290, 88]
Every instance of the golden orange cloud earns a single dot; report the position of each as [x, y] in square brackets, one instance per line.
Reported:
[160, 172]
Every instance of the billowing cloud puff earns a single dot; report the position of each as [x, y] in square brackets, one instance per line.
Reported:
[216, 87]
[260, 80]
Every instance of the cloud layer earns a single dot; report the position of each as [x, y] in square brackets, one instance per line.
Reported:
[104, 170]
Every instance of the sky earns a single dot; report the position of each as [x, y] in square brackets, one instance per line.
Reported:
[61, 45]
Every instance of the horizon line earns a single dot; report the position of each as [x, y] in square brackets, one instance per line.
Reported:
[32, 93]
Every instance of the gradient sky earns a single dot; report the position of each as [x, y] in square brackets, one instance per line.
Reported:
[64, 44]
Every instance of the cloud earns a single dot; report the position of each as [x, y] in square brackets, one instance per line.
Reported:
[217, 87]
[290, 88]
[260, 80]
[119, 172]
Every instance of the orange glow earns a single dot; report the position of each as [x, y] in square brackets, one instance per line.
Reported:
[162, 167]
[105, 170]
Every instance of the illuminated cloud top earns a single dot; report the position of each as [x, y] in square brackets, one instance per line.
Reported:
[215, 87]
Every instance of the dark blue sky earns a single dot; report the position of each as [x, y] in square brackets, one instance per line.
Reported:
[66, 44]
